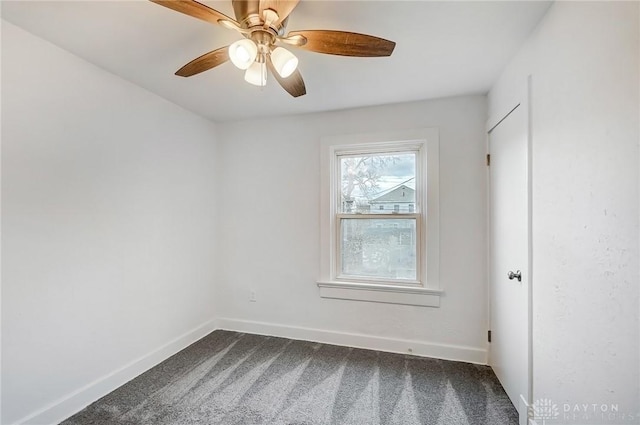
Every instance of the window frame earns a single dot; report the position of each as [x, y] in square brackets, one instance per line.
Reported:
[425, 291]
[340, 152]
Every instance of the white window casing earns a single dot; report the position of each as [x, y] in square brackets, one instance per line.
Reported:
[425, 290]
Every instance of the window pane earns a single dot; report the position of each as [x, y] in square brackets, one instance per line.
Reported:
[379, 248]
[378, 183]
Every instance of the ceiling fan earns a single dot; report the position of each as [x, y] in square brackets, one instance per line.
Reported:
[263, 23]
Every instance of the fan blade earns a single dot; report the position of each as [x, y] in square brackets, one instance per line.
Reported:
[343, 43]
[205, 62]
[244, 8]
[293, 84]
[283, 7]
[195, 9]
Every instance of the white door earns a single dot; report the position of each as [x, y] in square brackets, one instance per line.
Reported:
[509, 241]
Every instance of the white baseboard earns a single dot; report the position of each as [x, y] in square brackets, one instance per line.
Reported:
[72, 403]
[523, 411]
[418, 348]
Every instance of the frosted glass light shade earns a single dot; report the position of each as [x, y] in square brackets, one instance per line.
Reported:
[284, 61]
[243, 53]
[256, 74]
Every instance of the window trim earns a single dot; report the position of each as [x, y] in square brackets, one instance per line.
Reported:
[426, 290]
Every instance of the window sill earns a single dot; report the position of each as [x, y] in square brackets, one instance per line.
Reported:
[381, 293]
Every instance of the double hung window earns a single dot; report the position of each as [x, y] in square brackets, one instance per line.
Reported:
[377, 230]
[379, 226]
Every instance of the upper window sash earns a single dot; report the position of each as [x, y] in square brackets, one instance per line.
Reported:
[411, 147]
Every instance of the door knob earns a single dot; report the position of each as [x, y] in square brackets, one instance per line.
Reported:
[516, 275]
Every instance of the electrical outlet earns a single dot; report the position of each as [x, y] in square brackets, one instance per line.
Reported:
[252, 296]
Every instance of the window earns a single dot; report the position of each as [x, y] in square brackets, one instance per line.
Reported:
[379, 228]
[370, 245]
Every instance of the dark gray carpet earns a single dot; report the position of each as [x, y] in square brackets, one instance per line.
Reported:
[243, 379]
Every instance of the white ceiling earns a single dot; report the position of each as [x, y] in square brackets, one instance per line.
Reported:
[443, 49]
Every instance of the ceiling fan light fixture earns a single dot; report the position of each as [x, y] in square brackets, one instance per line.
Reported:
[284, 61]
[256, 74]
[264, 23]
[243, 53]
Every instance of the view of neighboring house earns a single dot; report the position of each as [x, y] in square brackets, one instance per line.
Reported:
[402, 199]
[399, 199]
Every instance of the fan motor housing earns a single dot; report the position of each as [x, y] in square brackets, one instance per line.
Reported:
[254, 20]
[262, 37]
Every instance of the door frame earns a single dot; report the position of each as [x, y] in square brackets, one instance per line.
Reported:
[522, 98]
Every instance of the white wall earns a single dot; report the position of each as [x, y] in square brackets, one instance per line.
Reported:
[270, 237]
[108, 239]
[584, 63]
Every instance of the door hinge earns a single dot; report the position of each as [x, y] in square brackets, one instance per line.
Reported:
[488, 160]
[489, 336]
